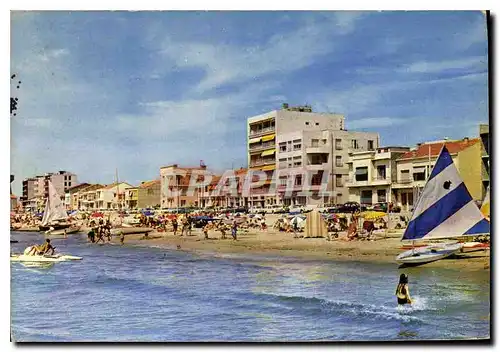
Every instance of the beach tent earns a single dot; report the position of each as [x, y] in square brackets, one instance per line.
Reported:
[315, 225]
[298, 220]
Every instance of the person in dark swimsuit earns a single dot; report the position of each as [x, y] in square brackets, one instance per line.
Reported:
[402, 290]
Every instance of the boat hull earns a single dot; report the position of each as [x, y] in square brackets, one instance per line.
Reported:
[43, 258]
[428, 254]
[60, 232]
[130, 230]
[469, 247]
[56, 227]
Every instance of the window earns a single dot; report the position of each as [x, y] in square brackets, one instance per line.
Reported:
[65, 177]
[317, 123]
[316, 179]
[282, 160]
[69, 184]
[338, 181]
[338, 144]
[283, 181]
[324, 141]
[338, 160]
[314, 142]
[361, 173]
[354, 144]
[405, 176]
[366, 197]
[370, 145]
[297, 146]
[150, 191]
[297, 163]
[298, 180]
[183, 203]
[65, 184]
[283, 147]
[307, 123]
[381, 196]
[419, 176]
[381, 174]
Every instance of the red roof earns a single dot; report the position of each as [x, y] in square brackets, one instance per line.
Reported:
[453, 147]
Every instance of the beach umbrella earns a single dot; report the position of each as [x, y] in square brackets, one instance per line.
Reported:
[372, 215]
[148, 212]
[97, 215]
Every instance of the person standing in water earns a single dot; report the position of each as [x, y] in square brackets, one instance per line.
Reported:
[402, 290]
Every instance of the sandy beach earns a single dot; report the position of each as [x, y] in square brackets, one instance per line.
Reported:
[284, 244]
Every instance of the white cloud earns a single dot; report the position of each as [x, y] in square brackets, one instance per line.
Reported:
[283, 52]
[477, 62]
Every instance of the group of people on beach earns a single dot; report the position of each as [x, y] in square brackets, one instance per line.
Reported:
[99, 230]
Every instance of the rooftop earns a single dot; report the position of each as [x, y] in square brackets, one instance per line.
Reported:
[434, 148]
[147, 184]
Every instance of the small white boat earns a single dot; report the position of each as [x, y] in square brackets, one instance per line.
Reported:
[427, 254]
[444, 210]
[61, 232]
[42, 258]
[53, 258]
[469, 247]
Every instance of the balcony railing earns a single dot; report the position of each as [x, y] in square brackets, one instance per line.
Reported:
[262, 162]
[263, 146]
[405, 180]
[254, 133]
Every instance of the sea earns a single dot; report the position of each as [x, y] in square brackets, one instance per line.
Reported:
[126, 294]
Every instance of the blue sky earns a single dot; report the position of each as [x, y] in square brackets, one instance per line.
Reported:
[138, 90]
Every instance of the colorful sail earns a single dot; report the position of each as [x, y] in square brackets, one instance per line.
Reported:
[445, 208]
[485, 207]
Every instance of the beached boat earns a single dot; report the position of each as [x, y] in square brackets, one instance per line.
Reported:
[445, 210]
[42, 258]
[131, 230]
[62, 232]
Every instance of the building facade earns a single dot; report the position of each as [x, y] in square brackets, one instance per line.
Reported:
[414, 167]
[175, 186]
[131, 197]
[371, 174]
[70, 201]
[86, 198]
[36, 189]
[306, 153]
[149, 194]
[111, 196]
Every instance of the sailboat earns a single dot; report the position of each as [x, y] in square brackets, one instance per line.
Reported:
[54, 214]
[445, 210]
[485, 207]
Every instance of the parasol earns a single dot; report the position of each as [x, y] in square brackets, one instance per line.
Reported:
[372, 215]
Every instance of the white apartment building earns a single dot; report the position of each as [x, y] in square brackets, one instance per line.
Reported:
[371, 174]
[307, 150]
[111, 196]
[38, 186]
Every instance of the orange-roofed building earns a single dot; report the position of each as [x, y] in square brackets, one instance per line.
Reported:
[414, 167]
[175, 182]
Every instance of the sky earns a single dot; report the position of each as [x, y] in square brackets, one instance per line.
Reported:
[134, 91]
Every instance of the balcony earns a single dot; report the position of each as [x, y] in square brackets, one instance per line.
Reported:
[253, 148]
[261, 132]
[316, 167]
[262, 162]
[318, 149]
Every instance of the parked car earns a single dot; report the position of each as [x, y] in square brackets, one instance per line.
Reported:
[380, 207]
[351, 207]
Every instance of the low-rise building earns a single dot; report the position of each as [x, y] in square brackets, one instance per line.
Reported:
[131, 197]
[175, 185]
[149, 194]
[70, 199]
[414, 167]
[112, 196]
[86, 198]
[371, 174]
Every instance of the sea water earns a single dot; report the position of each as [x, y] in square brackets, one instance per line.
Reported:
[123, 293]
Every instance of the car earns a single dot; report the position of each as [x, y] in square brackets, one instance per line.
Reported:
[351, 207]
[380, 207]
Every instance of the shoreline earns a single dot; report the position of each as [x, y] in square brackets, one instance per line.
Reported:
[277, 244]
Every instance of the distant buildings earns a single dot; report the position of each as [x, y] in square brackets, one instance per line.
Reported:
[149, 194]
[36, 189]
[304, 149]
[484, 134]
[175, 190]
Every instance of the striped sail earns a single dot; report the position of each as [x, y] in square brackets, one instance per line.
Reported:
[485, 207]
[445, 207]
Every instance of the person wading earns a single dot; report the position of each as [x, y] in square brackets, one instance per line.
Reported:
[402, 290]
